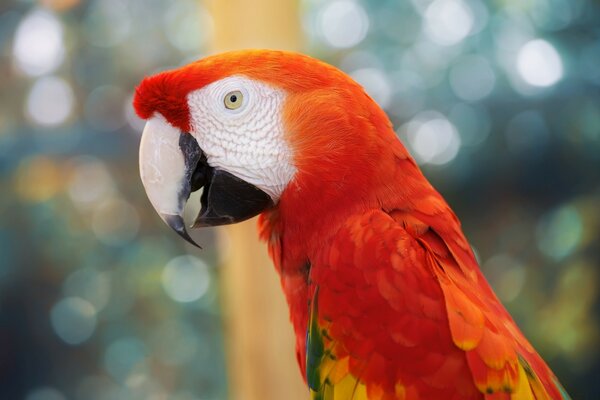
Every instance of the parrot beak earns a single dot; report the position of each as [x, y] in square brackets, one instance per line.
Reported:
[172, 166]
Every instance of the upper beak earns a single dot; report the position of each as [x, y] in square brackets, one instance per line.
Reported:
[172, 165]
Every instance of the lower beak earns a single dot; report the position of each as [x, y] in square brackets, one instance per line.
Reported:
[172, 166]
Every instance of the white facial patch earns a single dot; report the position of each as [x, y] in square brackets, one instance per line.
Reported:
[247, 141]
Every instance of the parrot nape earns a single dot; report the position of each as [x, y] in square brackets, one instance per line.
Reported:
[385, 295]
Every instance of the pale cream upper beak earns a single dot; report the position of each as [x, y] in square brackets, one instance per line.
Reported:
[162, 166]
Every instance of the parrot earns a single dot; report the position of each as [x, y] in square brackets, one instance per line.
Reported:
[385, 295]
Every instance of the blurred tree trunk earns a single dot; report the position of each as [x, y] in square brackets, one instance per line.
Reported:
[258, 334]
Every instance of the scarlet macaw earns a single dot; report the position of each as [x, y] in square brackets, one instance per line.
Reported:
[385, 294]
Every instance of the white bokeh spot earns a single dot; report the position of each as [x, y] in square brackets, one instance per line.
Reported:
[431, 138]
[50, 101]
[539, 64]
[343, 23]
[38, 46]
[448, 22]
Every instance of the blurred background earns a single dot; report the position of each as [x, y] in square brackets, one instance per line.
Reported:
[499, 102]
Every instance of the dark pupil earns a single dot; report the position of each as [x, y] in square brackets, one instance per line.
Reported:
[233, 98]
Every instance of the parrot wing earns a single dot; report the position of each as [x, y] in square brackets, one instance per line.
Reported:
[397, 312]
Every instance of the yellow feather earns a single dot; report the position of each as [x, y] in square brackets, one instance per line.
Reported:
[523, 390]
[535, 386]
[340, 370]
[327, 367]
[349, 389]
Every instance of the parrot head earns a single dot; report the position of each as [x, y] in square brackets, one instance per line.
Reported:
[252, 128]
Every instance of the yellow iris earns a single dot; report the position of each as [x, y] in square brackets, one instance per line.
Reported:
[233, 100]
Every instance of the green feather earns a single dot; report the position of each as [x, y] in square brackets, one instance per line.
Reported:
[315, 349]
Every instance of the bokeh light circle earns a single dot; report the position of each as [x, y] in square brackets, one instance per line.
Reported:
[448, 22]
[343, 23]
[539, 64]
[123, 357]
[38, 45]
[560, 232]
[115, 222]
[90, 182]
[45, 172]
[73, 320]
[50, 101]
[432, 138]
[186, 278]
[188, 25]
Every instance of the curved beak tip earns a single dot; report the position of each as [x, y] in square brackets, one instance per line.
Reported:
[176, 223]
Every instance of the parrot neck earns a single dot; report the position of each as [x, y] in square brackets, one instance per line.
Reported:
[316, 203]
[314, 207]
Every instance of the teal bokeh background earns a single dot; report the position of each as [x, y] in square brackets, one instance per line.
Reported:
[498, 101]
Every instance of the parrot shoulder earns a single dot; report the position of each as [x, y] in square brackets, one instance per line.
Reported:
[399, 309]
[501, 360]
[378, 327]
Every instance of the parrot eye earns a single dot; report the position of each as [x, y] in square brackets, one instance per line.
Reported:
[233, 100]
